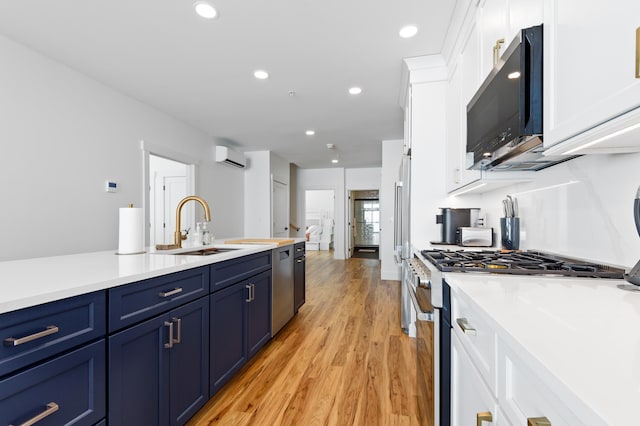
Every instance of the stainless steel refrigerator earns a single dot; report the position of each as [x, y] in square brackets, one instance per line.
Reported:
[402, 239]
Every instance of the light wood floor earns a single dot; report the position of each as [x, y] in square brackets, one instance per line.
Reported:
[342, 360]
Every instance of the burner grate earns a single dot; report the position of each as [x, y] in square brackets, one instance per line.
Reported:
[518, 263]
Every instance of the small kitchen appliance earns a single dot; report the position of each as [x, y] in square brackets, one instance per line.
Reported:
[451, 219]
[473, 236]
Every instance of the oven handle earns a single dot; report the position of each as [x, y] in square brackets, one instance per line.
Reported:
[421, 316]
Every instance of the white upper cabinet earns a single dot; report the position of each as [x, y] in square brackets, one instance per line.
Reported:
[492, 20]
[482, 24]
[463, 82]
[591, 81]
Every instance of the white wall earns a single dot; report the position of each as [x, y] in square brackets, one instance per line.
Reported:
[362, 179]
[62, 136]
[389, 175]
[320, 200]
[325, 179]
[257, 195]
[581, 208]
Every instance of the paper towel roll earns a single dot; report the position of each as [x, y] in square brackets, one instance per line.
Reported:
[131, 236]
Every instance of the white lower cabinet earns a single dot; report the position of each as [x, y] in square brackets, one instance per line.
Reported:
[492, 383]
[523, 395]
[471, 402]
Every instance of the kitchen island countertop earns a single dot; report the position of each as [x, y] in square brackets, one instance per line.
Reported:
[30, 282]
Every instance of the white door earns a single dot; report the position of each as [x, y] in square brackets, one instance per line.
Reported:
[280, 210]
[169, 190]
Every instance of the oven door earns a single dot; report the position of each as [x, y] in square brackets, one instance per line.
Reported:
[427, 351]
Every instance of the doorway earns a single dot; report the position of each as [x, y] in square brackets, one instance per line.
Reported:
[319, 219]
[280, 209]
[168, 184]
[365, 224]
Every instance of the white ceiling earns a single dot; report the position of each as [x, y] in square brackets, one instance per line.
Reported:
[163, 54]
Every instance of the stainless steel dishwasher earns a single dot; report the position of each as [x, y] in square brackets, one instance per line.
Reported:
[282, 308]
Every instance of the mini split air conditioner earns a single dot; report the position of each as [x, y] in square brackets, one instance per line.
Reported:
[231, 157]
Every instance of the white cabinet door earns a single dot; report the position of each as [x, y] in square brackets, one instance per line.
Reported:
[590, 56]
[492, 21]
[470, 397]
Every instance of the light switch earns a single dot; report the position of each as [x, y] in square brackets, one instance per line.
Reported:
[111, 186]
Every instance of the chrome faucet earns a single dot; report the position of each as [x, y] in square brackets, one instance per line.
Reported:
[177, 235]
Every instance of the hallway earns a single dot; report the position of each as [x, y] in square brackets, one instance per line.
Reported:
[342, 360]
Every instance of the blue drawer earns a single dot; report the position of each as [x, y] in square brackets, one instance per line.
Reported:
[33, 334]
[132, 303]
[298, 250]
[69, 389]
[223, 274]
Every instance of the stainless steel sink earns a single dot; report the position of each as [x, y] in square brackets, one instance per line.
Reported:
[207, 251]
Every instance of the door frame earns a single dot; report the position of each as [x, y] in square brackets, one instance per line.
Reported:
[192, 164]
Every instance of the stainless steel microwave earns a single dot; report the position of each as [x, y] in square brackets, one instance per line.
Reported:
[504, 118]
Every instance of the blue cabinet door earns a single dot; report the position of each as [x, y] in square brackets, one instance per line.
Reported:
[228, 347]
[299, 284]
[189, 360]
[68, 389]
[138, 375]
[159, 369]
[259, 312]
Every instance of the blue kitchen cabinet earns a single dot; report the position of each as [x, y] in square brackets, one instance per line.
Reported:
[228, 349]
[68, 389]
[240, 326]
[39, 332]
[299, 269]
[259, 312]
[159, 369]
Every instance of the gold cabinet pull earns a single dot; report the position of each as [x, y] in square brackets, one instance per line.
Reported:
[52, 407]
[463, 323]
[496, 51]
[538, 421]
[13, 341]
[484, 416]
[638, 52]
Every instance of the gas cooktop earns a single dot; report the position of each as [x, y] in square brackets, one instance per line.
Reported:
[518, 263]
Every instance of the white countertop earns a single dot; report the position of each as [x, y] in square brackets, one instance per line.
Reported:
[31, 282]
[581, 335]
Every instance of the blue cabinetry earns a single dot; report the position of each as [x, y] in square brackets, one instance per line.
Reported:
[68, 389]
[299, 269]
[135, 302]
[159, 369]
[52, 362]
[240, 325]
[33, 334]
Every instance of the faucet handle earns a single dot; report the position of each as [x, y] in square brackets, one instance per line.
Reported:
[184, 233]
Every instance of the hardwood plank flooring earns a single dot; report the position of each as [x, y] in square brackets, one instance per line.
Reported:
[342, 360]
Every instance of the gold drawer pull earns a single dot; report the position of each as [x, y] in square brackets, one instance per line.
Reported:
[12, 341]
[52, 407]
[484, 416]
[496, 51]
[463, 323]
[538, 421]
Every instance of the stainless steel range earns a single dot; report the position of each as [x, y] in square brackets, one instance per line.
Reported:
[426, 284]
[518, 263]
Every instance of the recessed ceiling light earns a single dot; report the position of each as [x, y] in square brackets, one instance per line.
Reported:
[355, 90]
[261, 75]
[205, 10]
[310, 132]
[408, 31]
[334, 161]
[514, 75]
